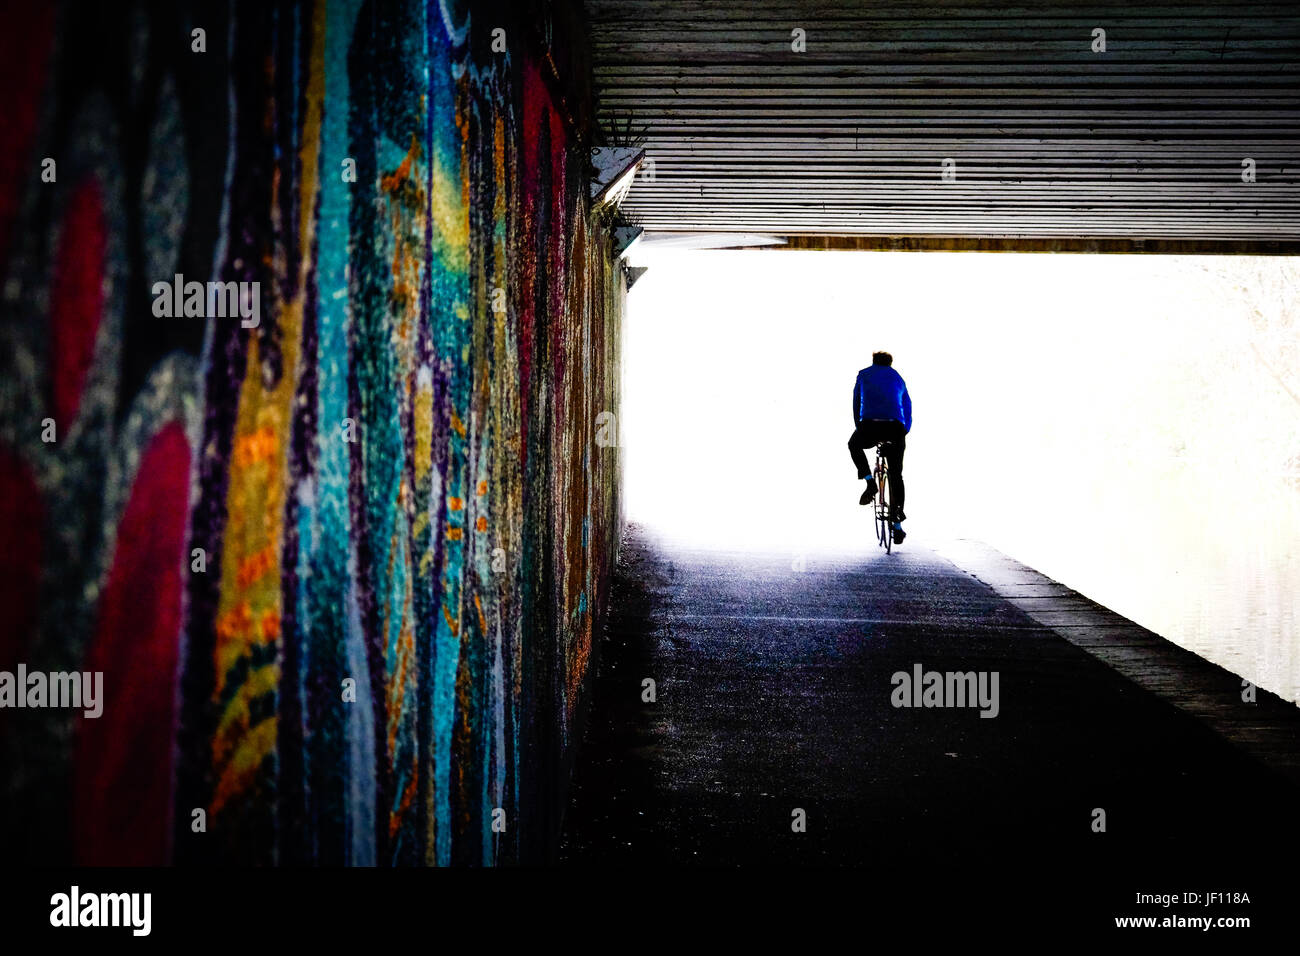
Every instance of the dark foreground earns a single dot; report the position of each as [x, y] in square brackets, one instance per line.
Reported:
[774, 695]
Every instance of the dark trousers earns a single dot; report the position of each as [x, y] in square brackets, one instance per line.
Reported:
[866, 435]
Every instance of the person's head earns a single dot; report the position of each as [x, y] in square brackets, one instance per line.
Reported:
[881, 358]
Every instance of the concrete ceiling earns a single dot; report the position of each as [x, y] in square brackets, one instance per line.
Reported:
[1050, 142]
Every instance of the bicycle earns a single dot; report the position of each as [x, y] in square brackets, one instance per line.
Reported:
[884, 533]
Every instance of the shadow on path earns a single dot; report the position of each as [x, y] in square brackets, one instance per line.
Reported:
[774, 693]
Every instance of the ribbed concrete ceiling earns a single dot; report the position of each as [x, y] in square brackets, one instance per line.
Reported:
[1049, 139]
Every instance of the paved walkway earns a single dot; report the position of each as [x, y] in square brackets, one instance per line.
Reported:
[774, 691]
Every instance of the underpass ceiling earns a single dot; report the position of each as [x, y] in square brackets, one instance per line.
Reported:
[965, 118]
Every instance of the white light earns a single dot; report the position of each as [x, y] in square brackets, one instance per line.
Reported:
[1092, 415]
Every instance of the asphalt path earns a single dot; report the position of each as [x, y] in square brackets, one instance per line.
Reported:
[776, 700]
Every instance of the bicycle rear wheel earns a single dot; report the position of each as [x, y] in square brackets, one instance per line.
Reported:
[883, 532]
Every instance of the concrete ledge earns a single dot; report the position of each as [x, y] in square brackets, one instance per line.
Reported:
[1267, 730]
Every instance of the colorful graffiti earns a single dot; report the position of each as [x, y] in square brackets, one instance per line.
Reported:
[341, 565]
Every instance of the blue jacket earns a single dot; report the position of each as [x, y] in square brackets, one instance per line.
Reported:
[880, 392]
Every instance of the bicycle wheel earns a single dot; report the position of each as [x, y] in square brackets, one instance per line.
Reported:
[882, 504]
[875, 505]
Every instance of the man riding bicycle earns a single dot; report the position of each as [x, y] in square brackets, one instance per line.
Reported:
[882, 411]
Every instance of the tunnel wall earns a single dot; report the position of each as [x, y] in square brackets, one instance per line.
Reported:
[341, 570]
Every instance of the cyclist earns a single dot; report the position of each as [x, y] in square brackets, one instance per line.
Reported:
[882, 411]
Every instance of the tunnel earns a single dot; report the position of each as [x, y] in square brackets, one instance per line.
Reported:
[379, 378]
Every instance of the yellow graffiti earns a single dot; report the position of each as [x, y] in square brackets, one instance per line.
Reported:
[249, 607]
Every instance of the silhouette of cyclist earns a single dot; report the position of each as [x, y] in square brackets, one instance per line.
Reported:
[882, 411]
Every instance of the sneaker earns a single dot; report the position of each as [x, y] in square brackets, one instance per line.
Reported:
[869, 495]
[899, 533]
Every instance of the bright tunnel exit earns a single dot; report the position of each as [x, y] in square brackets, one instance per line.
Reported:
[1124, 424]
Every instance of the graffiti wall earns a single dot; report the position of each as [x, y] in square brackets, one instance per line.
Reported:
[307, 324]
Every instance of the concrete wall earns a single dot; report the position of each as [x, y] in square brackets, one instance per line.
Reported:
[342, 570]
[1154, 464]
